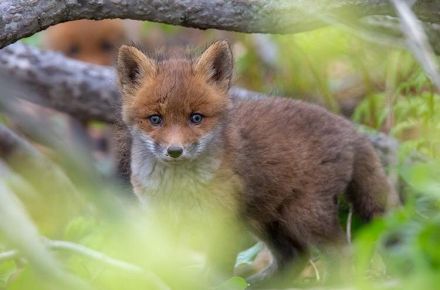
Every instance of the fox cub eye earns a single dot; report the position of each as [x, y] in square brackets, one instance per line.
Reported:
[106, 46]
[196, 118]
[155, 120]
[73, 50]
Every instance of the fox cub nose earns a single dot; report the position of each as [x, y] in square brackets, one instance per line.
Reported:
[174, 151]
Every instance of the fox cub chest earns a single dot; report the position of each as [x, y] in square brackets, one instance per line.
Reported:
[202, 185]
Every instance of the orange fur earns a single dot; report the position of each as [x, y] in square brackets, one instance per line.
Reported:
[87, 40]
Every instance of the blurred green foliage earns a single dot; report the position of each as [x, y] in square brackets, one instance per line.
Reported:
[382, 87]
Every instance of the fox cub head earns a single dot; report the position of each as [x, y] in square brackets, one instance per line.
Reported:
[87, 40]
[175, 106]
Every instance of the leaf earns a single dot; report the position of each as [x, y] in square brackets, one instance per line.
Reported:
[235, 283]
[7, 270]
[248, 256]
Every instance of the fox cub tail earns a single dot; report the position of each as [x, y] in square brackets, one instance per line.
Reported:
[370, 191]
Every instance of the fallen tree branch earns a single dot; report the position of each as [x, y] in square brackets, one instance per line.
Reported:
[21, 18]
[85, 91]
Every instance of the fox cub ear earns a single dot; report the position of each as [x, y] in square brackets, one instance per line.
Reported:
[133, 66]
[216, 63]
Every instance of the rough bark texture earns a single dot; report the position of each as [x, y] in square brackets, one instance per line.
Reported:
[21, 18]
[89, 92]
[82, 90]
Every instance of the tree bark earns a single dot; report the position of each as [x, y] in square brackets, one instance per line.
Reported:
[84, 91]
[21, 18]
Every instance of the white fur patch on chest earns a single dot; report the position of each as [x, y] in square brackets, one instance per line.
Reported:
[189, 186]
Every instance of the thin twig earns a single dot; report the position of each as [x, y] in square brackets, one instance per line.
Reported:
[318, 277]
[94, 255]
[8, 255]
[417, 40]
[348, 226]
[24, 235]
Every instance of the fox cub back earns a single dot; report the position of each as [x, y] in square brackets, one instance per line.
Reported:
[275, 164]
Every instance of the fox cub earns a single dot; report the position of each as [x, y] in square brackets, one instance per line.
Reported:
[277, 165]
[87, 40]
